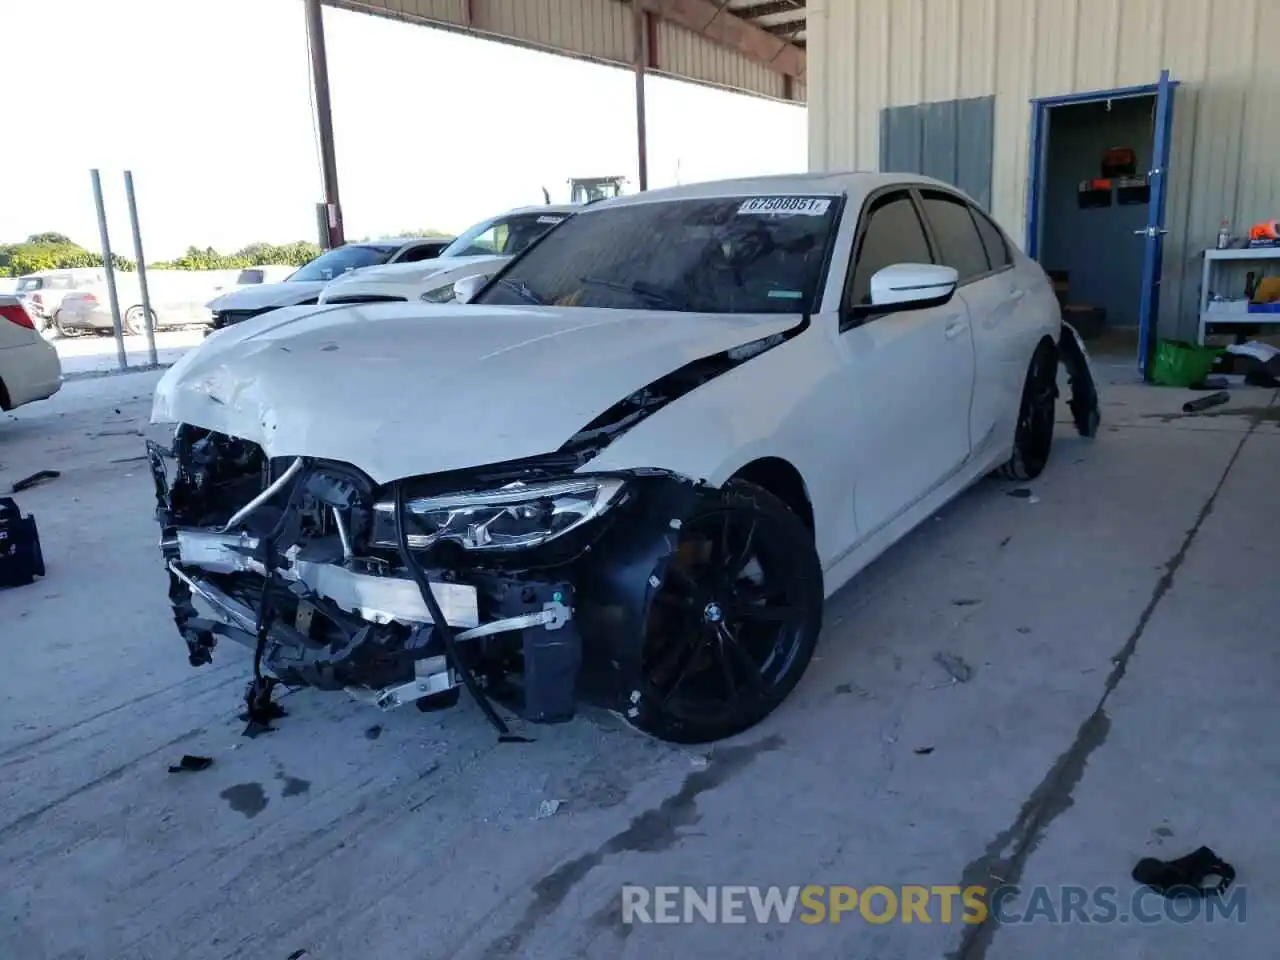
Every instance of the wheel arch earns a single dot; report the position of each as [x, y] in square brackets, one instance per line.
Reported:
[782, 479]
[5, 402]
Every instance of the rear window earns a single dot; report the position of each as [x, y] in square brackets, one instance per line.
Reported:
[250, 276]
[28, 284]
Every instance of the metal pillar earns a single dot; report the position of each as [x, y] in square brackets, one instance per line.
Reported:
[147, 316]
[324, 121]
[121, 358]
[640, 27]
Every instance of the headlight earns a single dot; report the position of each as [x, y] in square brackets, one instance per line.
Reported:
[439, 295]
[513, 517]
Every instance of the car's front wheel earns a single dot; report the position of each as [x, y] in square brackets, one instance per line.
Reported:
[735, 621]
[64, 330]
[1033, 438]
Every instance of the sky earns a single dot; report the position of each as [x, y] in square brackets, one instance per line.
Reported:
[208, 103]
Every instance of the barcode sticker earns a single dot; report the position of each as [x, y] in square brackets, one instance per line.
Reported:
[788, 206]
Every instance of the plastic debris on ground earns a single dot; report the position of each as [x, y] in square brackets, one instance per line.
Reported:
[1205, 403]
[547, 809]
[37, 478]
[191, 764]
[1186, 876]
[958, 669]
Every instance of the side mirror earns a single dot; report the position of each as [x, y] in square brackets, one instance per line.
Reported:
[912, 286]
[464, 290]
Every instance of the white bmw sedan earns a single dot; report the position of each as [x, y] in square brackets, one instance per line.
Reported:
[628, 470]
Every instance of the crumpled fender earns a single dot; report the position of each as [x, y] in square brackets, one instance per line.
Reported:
[1084, 389]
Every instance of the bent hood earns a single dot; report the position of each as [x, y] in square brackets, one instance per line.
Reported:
[401, 390]
[412, 273]
[261, 296]
[408, 280]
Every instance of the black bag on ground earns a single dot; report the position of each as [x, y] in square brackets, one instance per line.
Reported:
[20, 558]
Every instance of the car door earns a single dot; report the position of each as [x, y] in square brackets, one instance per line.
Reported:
[966, 239]
[908, 374]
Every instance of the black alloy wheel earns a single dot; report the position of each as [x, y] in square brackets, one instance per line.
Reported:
[734, 623]
[1037, 412]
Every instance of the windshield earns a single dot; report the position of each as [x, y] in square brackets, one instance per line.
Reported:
[506, 235]
[334, 263]
[704, 255]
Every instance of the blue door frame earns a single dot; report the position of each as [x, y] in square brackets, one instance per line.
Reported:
[1162, 140]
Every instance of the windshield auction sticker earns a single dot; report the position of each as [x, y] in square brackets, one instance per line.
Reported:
[791, 206]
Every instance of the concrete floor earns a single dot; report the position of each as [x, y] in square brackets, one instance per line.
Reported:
[1120, 630]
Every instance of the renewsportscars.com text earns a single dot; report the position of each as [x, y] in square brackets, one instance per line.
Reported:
[944, 904]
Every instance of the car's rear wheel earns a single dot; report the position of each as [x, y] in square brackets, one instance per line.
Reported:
[135, 321]
[734, 624]
[1033, 439]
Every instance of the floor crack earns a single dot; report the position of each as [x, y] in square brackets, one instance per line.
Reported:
[1006, 856]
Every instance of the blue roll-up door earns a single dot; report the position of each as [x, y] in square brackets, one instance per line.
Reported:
[952, 140]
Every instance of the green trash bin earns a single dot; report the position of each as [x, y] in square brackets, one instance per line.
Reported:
[1182, 364]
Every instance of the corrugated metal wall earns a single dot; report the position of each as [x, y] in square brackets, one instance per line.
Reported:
[865, 55]
[598, 30]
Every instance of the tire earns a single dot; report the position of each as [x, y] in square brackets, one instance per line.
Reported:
[1033, 439]
[135, 321]
[65, 331]
[726, 642]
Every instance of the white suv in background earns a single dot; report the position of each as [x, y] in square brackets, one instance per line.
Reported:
[483, 249]
[304, 285]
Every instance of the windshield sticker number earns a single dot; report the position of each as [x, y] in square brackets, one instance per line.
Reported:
[550, 219]
[786, 206]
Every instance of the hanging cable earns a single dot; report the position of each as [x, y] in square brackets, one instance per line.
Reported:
[437, 616]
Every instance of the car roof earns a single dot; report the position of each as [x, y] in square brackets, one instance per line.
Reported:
[850, 183]
[402, 241]
[542, 208]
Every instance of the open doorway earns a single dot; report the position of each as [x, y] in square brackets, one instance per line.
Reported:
[1094, 210]
[1095, 213]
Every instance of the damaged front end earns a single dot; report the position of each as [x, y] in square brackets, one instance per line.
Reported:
[526, 582]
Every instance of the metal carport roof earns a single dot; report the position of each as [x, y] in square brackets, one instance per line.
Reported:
[751, 46]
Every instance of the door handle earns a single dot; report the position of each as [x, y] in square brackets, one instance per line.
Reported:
[1016, 295]
[955, 328]
[1150, 232]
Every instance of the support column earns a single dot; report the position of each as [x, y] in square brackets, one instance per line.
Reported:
[640, 27]
[324, 121]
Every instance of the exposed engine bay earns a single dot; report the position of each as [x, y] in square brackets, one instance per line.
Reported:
[526, 582]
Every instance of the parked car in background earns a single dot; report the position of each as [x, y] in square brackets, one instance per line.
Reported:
[177, 300]
[267, 273]
[304, 284]
[42, 293]
[628, 470]
[501, 237]
[29, 365]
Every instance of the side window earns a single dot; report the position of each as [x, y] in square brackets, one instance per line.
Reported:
[893, 234]
[424, 252]
[958, 242]
[993, 240]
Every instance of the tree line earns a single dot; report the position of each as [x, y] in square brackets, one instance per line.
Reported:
[56, 251]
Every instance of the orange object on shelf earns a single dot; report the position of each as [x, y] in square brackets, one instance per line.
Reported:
[1267, 230]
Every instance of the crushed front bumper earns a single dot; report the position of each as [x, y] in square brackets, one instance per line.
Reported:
[315, 617]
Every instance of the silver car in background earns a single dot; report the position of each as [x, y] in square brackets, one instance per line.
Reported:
[177, 299]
